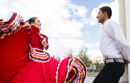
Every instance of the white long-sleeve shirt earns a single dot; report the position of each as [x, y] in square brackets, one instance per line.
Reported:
[113, 43]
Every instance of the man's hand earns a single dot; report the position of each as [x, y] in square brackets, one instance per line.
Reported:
[128, 61]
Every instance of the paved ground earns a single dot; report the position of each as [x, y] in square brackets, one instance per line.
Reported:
[89, 79]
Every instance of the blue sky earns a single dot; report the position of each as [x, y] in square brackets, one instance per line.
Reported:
[93, 32]
[93, 35]
[90, 4]
[69, 24]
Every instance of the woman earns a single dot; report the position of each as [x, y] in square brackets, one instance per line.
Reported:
[39, 67]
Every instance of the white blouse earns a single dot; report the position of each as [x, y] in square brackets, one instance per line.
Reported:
[113, 43]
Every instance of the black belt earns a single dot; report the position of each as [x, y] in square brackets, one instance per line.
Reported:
[111, 60]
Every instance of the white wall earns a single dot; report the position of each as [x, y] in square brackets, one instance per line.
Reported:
[124, 20]
[127, 8]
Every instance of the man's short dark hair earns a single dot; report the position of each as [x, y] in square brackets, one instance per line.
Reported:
[108, 10]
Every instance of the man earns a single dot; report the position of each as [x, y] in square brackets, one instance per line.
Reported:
[114, 48]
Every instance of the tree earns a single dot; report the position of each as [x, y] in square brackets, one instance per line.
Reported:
[69, 54]
[101, 66]
[98, 65]
[56, 57]
[83, 57]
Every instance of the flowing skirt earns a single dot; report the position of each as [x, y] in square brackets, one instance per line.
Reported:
[16, 67]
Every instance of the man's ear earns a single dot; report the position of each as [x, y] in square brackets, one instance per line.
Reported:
[105, 14]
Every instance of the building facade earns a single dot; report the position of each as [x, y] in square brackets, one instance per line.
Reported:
[124, 20]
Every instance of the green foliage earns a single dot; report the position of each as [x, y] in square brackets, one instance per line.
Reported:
[94, 67]
[70, 55]
[84, 58]
[56, 57]
[98, 65]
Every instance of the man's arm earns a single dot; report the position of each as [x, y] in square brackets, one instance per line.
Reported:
[116, 33]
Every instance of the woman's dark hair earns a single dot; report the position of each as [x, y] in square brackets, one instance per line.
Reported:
[108, 10]
[32, 20]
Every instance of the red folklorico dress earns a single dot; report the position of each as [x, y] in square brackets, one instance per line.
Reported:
[23, 59]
